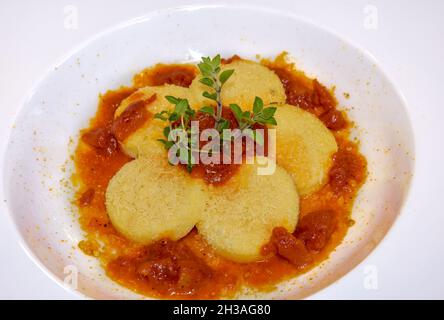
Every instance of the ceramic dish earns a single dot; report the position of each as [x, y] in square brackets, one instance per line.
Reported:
[38, 164]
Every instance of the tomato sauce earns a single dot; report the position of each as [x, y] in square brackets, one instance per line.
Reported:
[230, 59]
[308, 94]
[189, 268]
[178, 74]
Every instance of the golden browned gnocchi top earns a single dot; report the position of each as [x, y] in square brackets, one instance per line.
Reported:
[164, 232]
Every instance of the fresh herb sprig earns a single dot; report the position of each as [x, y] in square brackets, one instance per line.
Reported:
[213, 78]
[259, 115]
[180, 118]
[182, 114]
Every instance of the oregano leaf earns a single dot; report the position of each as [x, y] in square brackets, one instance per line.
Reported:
[207, 81]
[258, 105]
[172, 99]
[207, 109]
[225, 75]
[237, 111]
[212, 96]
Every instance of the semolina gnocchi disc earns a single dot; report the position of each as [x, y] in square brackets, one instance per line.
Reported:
[250, 79]
[304, 147]
[149, 199]
[239, 216]
[144, 141]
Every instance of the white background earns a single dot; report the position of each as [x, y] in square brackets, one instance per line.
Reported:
[409, 45]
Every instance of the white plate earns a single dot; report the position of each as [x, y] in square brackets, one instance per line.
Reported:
[38, 165]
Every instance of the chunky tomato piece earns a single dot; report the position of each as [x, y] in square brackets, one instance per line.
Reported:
[86, 198]
[101, 139]
[290, 248]
[315, 229]
[334, 120]
[347, 172]
[134, 117]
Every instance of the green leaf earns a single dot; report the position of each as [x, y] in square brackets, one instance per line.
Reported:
[173, 117]
[181, 107]
[269, 112]
[212, 96]
[258, 105]
[207, 109]
[216, 61]
[225, 75]
[223, 124]
[166, 131]
[172, 100]
[190, 112]
[246, 115]
[207, 81]
[167, 144]
[205, 69]
[160, 115]
[271, 121]
[237, 111]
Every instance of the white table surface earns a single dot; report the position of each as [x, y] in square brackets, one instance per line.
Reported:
[408, 44]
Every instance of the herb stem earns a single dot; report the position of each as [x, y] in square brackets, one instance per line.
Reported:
[218, 89]
[183, 125]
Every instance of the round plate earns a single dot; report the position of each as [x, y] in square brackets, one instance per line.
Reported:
[38, 164]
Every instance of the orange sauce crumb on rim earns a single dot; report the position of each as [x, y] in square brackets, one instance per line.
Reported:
[189, 268]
